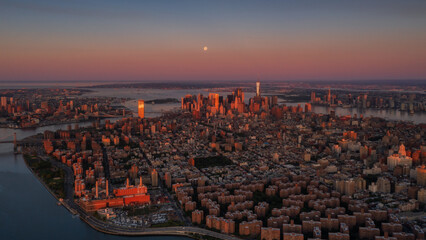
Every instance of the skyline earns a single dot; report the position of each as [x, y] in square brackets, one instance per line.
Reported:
[273, 41]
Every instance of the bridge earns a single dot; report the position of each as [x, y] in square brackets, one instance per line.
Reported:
[16, 143]
[5, 139]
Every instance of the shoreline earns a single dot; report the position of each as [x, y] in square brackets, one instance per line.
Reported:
[60, 123]
[191, 232]
[38, 178]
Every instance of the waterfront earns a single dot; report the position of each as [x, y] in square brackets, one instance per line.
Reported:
[154, 110]
[388, 114]
[28, 210]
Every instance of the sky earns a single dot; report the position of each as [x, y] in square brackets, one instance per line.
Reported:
[133, 40]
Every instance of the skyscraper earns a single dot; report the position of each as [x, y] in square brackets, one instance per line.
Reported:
[214, 100]
[168, 179]
[257, 88]
[421, 175]
[141, 108]
[154, 178]
[3, 101]
[364, 100]
[329, 96]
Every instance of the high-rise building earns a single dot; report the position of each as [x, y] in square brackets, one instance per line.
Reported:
[168, 179]
[329, 96]
[399, 159]
[360, 184]
[97, 190]
[154, 178]
[312, 97]
[274, 101]
[141, 108]
[308, 107]
[346, 187]
[133, 172]
[421, 195]
[383, 185]
[421, 175]
[257, 88]
[364, 100]
[214, 100]
[3, 101]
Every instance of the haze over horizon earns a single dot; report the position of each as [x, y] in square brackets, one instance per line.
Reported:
[164, 40]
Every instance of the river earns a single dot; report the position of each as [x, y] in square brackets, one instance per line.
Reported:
[29, 211]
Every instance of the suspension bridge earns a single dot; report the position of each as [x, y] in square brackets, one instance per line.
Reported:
[12, 139]
[6, 139]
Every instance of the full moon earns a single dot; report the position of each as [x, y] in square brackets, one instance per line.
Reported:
[205, 48]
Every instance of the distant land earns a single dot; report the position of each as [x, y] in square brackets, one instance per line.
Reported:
[163, 101]
[373, 85]
[168, 85]
[417, 85]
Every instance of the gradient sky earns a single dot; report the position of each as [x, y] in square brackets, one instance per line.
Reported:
[134, 40]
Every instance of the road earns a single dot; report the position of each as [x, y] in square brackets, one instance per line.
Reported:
[105, 162]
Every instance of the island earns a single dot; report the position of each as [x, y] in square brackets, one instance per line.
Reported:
[231, 170]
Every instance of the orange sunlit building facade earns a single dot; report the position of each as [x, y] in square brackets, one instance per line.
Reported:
[129, 195]
[141, 108]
